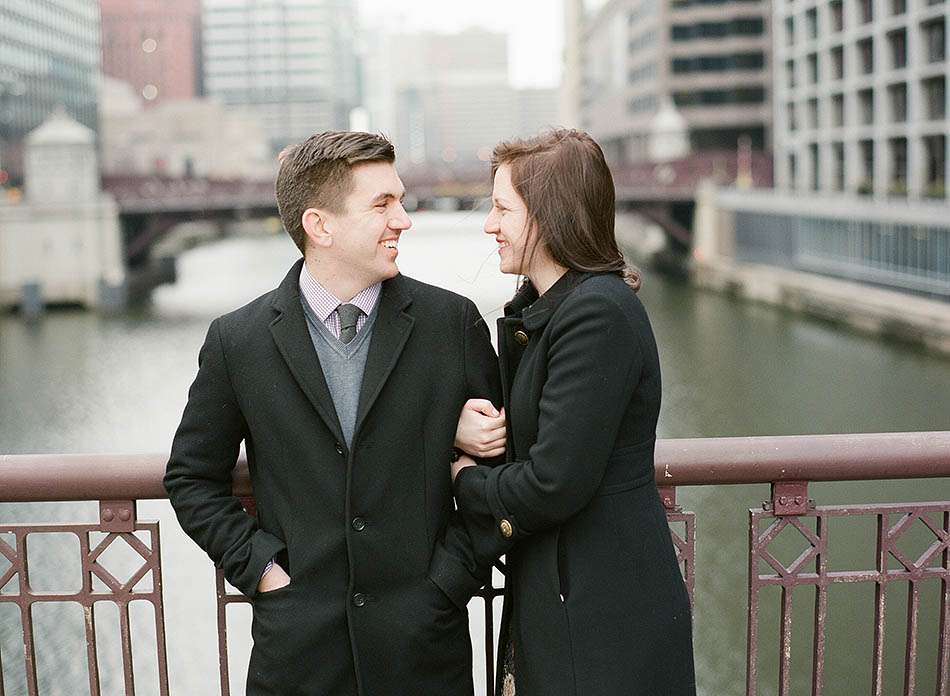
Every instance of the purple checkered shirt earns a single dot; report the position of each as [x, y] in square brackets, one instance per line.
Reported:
[324, 304]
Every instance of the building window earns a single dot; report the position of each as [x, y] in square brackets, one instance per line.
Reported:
[935, 97]
[866, 185]
[866, 102]
[742, 26]
[815, 166]
[865, 11]
[837, 151]
[866, 55]
[813, 113]
[719, 97]
[898, 182]
[792, 120]
[790, 73]
[792, 171]
[719, 63]
[837, 15]
[898, 7]
[837, 62]
[789, 31]
[935, 163]
[897, 42]
[647, 103]
[934, 40]
[813, 68]
[897, 96]
[811, 22]
[837, 110]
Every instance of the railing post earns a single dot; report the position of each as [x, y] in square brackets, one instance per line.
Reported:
[790, 498]
[117, 515]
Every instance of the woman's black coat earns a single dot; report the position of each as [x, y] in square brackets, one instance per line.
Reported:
[594, 601]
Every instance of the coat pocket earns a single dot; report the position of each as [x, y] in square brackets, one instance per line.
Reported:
[563, 568]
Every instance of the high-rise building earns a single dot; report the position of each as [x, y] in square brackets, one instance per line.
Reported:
[446, 98]
[154, 45]
[291, 64]
[49, 59]
[710, 60]
[861, 97]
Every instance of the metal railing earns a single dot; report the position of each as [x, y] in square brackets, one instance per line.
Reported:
[789, 464]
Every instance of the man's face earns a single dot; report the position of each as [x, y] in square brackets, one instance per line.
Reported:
[366, 233]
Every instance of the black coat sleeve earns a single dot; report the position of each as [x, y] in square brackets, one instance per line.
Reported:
[198, 475]
[453, 567]
[593, 364]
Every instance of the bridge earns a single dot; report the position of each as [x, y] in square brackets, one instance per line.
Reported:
[790, 551]
[663, 192]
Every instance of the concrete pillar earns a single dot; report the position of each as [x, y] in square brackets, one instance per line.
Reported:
[31, 300]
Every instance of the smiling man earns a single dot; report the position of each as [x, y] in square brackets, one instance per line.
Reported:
[345, 385]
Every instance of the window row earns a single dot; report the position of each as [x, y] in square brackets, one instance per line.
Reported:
[742, 26]
[932, 167]
[933, 50]
[932, 106]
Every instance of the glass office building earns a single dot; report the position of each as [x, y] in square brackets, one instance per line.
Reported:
[49, 58]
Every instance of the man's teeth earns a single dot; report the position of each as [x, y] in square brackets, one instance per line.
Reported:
[391, 244]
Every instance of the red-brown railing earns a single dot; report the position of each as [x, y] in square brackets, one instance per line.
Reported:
[787, 463]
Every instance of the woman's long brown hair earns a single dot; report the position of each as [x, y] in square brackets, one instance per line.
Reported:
[566, 185]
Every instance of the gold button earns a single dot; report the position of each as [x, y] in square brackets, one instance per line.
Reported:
[506, 529]
[521, 337]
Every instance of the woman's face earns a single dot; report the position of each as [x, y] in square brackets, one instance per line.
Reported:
[508, 223]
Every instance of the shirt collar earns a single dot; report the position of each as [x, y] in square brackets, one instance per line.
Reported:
[324, 303]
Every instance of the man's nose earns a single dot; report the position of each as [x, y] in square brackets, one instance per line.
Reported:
[401, 220]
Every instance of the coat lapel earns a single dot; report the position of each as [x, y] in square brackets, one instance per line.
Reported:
[390, 333]
[292, 337]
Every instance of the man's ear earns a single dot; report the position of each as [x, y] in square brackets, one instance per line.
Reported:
[314, 224]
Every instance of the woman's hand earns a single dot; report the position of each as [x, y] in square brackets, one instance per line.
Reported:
[481, 429]
[461, 463]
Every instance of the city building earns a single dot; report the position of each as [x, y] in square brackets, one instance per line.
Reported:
[154, 45]
[179, 138]
[446, 98]
[50, 58]
[860, 153]
[710, 60]
[861, 97]
[62, 243]
[291, 64]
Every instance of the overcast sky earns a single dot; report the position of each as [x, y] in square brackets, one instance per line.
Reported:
[534, 28]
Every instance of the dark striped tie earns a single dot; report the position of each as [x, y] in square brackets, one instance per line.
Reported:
[349, 314]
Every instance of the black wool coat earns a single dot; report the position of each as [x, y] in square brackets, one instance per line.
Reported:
[595, 604]
[379, 578]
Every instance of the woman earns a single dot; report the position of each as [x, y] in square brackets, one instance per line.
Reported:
[594, 600]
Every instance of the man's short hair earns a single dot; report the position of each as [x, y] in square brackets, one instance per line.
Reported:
[317, 173]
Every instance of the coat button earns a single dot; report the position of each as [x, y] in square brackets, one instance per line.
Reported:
[359, 524]
[521, 337]
[339, 448]
[359, 599]
[506, 529]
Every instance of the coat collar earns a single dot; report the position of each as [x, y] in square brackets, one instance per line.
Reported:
[390, 332]
[535, 311]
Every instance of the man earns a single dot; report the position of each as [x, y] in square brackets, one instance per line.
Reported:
[345, 384]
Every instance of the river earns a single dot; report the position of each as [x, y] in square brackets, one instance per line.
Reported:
[79, 382]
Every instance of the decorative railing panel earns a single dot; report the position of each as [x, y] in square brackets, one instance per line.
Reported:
[787, 463]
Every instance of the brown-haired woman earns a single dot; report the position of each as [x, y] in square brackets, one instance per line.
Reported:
[594, 600]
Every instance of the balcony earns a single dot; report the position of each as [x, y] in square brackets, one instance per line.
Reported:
[816, 567]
